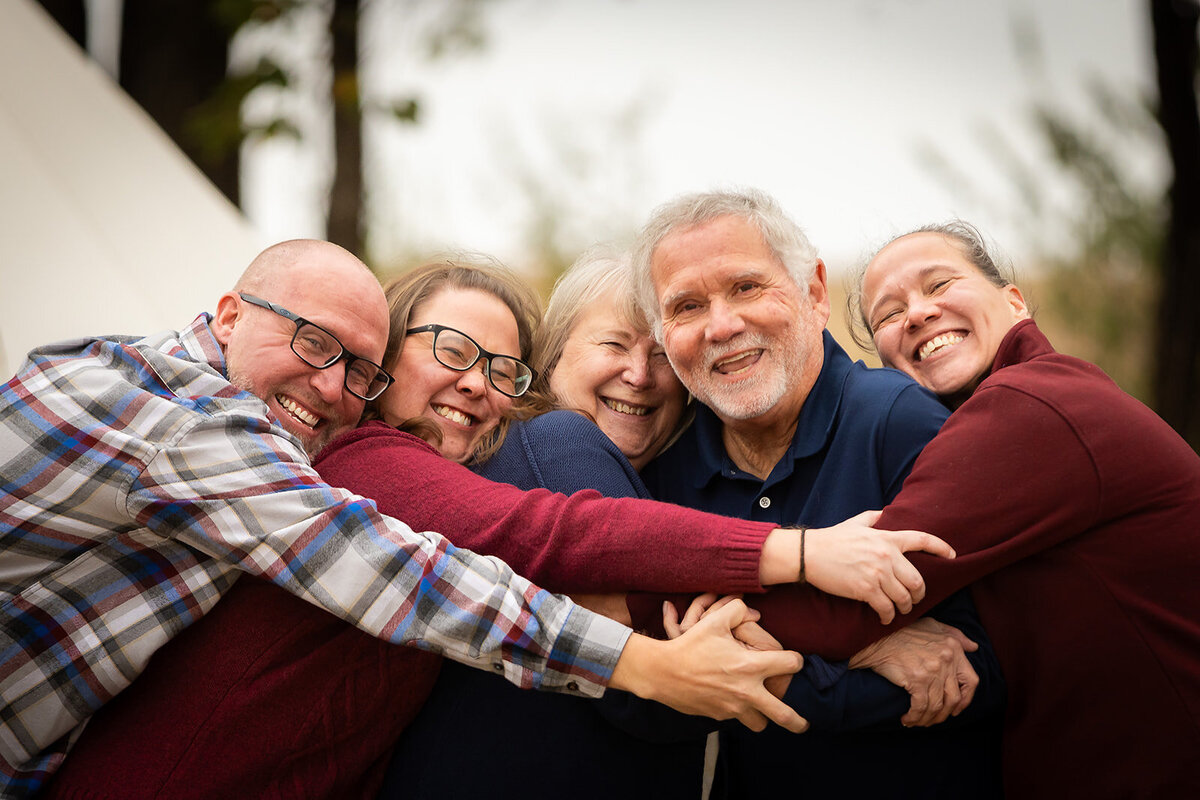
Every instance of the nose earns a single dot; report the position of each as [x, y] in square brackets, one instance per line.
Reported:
[723, 322]
[920, 311]
[473, 382]
[330, 382]
[637, 371]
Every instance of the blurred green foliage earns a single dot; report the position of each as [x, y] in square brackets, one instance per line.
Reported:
[1093, 201]
[1102, 295]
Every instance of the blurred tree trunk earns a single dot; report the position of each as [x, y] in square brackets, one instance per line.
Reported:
[346, 195]
[173, 58]
[1177, 372]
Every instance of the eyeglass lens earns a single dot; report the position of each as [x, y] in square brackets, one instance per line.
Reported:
[318, 348]
[456, 351]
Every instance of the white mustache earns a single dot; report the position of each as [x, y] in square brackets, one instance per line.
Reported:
[741, 343]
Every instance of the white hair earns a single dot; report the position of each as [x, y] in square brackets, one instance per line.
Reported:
[784, 238]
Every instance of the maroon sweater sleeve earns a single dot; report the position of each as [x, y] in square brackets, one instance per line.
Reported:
[1005, 478]
[581, 543]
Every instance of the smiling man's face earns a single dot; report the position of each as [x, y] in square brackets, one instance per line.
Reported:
[737, 329]
[329, 287]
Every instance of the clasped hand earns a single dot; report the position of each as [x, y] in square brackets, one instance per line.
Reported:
[854, 560]
[752, 635]
[928, 660]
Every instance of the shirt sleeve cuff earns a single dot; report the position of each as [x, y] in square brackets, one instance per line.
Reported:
[585, 654]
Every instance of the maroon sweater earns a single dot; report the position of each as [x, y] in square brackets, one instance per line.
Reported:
[1075, 512]
[268, 696]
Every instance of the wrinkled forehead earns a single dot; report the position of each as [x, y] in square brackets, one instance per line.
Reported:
[727, 238]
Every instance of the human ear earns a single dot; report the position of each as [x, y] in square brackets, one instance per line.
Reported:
[1016, 301]
[228, 311]
[818, 292]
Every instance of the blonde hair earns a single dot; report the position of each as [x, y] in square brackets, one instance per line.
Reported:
[602, 271]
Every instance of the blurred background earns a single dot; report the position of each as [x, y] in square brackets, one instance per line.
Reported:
[1066, 130]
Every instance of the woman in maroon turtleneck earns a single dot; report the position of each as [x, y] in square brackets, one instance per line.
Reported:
[1075, 512]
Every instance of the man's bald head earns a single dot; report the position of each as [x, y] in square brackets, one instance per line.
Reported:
[276, 263]
[327, 286]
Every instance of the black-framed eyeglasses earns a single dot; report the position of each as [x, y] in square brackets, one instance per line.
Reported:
[459, 352]
[319, 348]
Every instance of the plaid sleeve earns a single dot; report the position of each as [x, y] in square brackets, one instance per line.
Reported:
[137, 485]
[250, 499]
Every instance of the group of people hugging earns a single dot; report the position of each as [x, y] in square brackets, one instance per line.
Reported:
[983, 552]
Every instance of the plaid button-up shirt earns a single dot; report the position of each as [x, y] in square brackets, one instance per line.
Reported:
[137, 483]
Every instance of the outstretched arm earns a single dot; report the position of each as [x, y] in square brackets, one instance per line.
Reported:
[850, 559]
[586, 543]
[853, 560]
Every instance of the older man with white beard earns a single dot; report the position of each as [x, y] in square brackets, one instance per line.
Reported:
[792, 431]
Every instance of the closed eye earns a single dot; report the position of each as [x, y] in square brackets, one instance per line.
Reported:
[938, 285]
[888, 316]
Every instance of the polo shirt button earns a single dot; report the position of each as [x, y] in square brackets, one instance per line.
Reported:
[573, 686]
[764, 502]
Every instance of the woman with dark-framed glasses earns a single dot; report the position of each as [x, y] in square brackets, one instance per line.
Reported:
[604, 402]
[459, 330]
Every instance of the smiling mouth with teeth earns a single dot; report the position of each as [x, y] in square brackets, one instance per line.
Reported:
[454, 415]
[297, 411]
[937, 343]
[626, 408]
[736, 364]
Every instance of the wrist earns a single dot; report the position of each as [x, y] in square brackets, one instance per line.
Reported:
[780, 560]
[635, 668]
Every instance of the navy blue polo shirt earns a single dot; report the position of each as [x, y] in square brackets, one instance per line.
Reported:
[856, 439]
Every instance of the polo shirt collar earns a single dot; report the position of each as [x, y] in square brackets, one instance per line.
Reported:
[813, 428]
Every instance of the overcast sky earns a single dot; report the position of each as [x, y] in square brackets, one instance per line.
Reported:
[613, 106]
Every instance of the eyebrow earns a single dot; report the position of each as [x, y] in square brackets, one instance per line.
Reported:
[756, 274]
[671, 300]
[921, 274]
